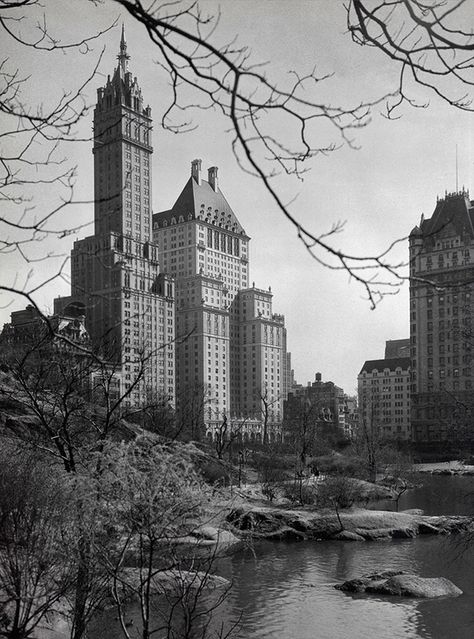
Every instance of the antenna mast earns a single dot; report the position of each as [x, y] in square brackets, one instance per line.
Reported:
[457, 189]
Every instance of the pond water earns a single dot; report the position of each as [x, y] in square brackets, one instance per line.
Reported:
[286, 590]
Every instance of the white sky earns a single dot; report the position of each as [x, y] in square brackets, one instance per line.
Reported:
[379, 190]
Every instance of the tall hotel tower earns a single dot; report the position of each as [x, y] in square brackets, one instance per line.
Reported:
[230, 345]
[441, 321]
[115, 274]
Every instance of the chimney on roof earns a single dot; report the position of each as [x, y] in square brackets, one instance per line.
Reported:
[212, 177]
[196, 170]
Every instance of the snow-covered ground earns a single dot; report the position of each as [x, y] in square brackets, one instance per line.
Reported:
[455, 465]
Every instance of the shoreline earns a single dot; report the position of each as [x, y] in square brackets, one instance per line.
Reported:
[355, 524]
[455, 467]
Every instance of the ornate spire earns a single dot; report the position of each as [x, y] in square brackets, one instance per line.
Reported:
[123, 56]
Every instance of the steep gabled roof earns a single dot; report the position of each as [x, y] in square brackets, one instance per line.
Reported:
[453, 215]
[200, 201]
[381, 364]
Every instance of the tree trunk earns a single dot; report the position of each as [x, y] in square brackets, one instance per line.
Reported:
[82, 591]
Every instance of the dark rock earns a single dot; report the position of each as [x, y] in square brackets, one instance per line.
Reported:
[401, 584]
[299, 524]
[374, 534]
[428, 529]
[451, 524]
[404, 533]
[360, 584]
[347, 535]
[286, 534]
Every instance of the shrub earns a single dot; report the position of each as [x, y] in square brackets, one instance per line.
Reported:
[214, 472]
[298, 493]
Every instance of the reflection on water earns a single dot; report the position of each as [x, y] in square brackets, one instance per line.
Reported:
[286, 590]
[437, 495]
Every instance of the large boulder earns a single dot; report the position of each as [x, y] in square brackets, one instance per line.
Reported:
[216, 539]
[401, 584]
[347, 535]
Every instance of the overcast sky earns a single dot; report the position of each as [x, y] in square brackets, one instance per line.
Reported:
[378, 190]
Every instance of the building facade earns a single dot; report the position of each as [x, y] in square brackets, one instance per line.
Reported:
[441, 313]
[384, 397]
[230, 344]
[116, 281]
[28, 328]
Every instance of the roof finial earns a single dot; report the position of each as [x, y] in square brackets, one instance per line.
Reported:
[123, 56]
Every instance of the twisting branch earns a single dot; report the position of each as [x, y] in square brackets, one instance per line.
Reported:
[204, 75]
[33, 158]
[277, 128]
[432, 40]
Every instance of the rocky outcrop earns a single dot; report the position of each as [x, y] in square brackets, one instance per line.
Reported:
[207, 537]
[168, 582]
[447, 468]
[347, 535]
[261, 522]
[452, 471]
[401, 584]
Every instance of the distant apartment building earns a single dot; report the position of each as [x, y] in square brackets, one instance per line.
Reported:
[230, 343]
[441, 321]
[322, 403]
[384, 394]
[58, 349]
[116, 280]
[29, 329]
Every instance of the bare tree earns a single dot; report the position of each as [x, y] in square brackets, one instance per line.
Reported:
[192, 402]
[402, 476]
[51, 383]
[36, 568]
[267, 402]
[155, 497]
[304, 429]
[226, 434]
[370, 442]
[338, 492]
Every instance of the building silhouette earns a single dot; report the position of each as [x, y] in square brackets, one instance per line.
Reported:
[116, 281]
[324, 407]
[441, 311]
[231, 346]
